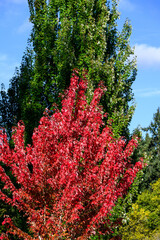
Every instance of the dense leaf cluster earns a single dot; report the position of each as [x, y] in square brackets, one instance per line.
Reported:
[66, 35]
[144, 218]
[72, 175]
[142, 221]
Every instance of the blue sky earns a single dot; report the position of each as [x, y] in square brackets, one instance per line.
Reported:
[145, 19]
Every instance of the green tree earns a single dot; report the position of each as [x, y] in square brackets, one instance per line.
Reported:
[4, 108]
[13, 101]
[143, 221]
[76, 34]
[9, 104]
[82, 34]
[151, 145]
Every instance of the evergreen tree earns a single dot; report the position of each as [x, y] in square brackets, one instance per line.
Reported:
[9, 104]
[13, 101]
[4, 110]
[152, 142]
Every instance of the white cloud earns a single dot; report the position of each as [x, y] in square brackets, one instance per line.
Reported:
[147, 92]
[126, 5]
[147, 56]
[26, 26]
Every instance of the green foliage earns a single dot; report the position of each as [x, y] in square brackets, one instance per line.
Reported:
[74, 34]
[150, 148]
[143, 221]
[13, 101]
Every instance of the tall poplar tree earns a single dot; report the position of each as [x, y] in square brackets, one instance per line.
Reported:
[80, 34]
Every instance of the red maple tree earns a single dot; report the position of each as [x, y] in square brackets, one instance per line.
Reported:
[71, 176]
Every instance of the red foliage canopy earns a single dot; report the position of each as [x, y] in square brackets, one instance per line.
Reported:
[78, 169]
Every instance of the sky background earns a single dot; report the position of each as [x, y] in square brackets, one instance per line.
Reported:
[145, 20]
